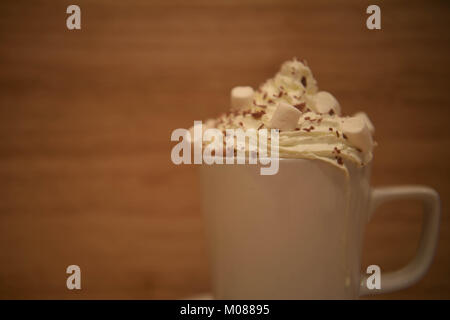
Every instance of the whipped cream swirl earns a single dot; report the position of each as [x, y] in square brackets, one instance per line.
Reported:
[315, 130]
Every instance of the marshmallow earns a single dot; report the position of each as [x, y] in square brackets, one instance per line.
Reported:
[324, 102]
[366, 119]
[285, 117]
[241, 97]
[357, 133]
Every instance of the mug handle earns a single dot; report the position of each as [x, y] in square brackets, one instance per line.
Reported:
[418, 266]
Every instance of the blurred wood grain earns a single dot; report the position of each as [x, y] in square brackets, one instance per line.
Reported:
[86, 117]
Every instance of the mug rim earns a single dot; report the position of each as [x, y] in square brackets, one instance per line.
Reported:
[282, 159]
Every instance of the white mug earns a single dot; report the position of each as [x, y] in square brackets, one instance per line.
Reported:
[298, 234]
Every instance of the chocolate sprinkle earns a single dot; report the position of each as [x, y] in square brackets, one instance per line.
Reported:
[258, 114]
[309, 129]
[300, 106]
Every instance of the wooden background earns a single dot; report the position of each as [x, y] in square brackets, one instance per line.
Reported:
[86, 117]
